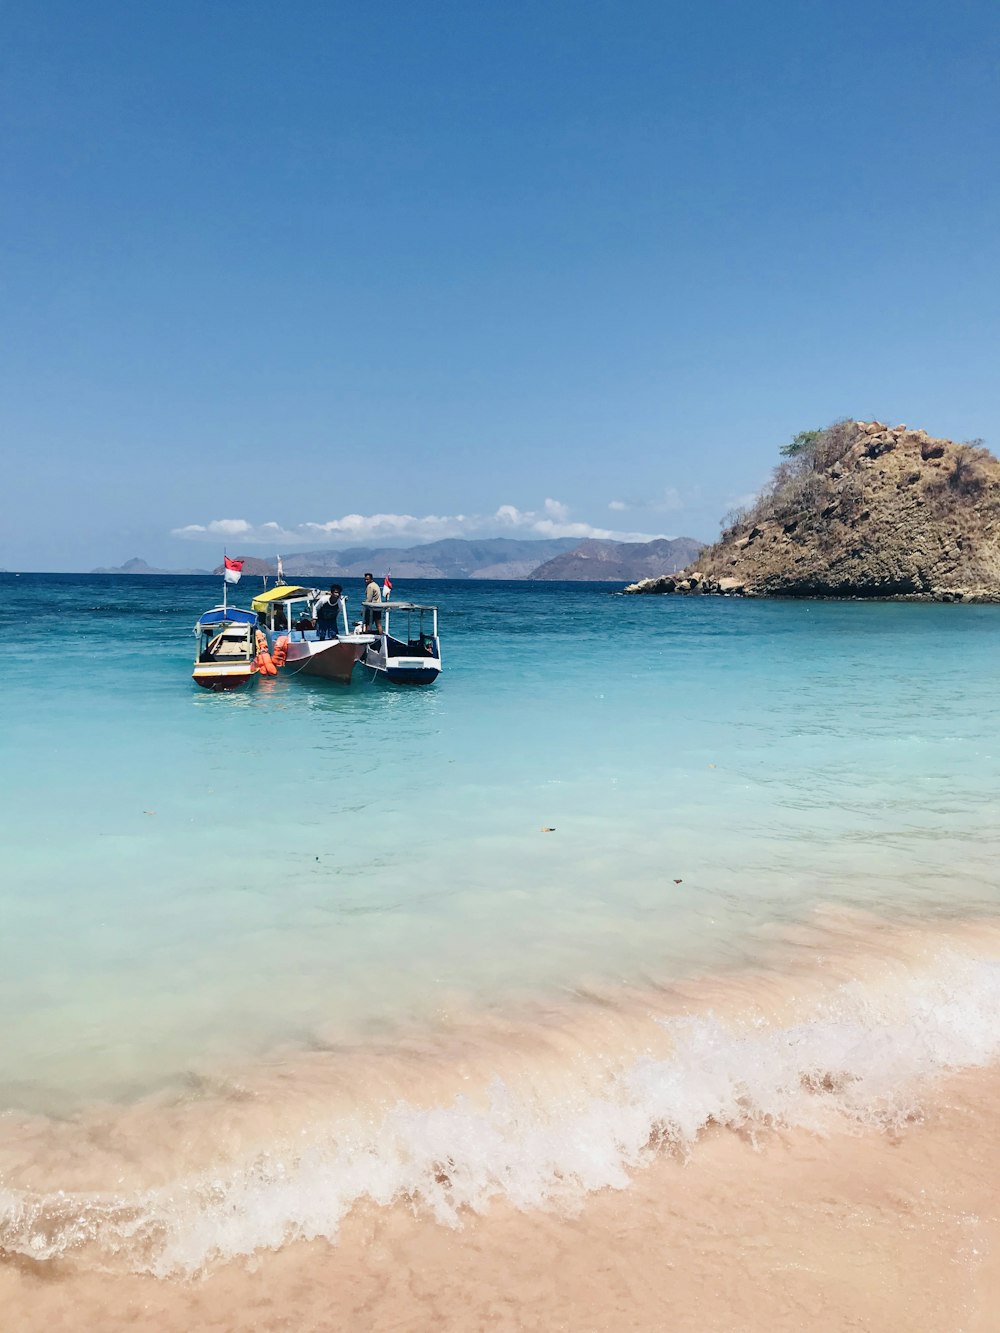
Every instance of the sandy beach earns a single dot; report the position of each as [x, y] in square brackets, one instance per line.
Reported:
[790, 1146]
[873, 1232]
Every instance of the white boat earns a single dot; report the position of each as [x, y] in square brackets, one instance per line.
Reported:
[407, 651]
[297, 646]
[227, 648]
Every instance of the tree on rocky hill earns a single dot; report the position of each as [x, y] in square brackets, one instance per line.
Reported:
[800, 443]
[862, 509]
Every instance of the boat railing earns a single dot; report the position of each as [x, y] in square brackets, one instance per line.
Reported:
[421, 621]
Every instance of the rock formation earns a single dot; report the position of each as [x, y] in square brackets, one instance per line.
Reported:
[862, 510]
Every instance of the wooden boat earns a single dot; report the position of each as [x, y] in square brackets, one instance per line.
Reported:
[408, 650]
[297, 645]
[227, 655]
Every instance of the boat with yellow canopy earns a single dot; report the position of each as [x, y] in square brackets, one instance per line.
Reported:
[307, 635]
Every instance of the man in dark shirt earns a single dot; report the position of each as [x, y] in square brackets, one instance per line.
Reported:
[328, 614]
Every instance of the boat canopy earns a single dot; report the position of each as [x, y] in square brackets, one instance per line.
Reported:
[226, 615]
[285, 592]
[400, 606]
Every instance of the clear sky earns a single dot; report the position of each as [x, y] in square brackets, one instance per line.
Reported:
[519, 268]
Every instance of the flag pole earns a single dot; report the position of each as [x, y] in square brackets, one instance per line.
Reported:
[225, 582]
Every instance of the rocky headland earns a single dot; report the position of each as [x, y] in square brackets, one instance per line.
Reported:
[861, 510]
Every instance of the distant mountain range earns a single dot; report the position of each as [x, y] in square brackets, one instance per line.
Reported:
[615, 561]
[458, 558]
[493, 558]
[451, 558]
[137, 566]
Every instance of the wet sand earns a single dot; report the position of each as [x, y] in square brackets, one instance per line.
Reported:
[871, 1231]
[810, 1145]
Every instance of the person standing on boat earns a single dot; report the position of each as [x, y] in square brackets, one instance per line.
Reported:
[327, 612]
[373, 598]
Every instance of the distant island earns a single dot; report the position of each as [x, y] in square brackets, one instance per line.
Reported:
[450, 558]
[553, 558]
[618, 562]
[492, 558]
[860, 509]
[137, 566]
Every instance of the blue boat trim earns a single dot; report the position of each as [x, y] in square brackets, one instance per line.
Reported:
[231, 615]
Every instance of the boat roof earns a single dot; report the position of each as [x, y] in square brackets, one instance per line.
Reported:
[284, 592]
[287, 592]
[227, 615]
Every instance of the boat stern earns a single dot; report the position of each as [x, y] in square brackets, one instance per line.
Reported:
[223, 675]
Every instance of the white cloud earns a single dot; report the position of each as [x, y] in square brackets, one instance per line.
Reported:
[552, 520]
[219, 527]
[668, 501]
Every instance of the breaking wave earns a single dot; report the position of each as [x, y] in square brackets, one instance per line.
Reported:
[857, 1060]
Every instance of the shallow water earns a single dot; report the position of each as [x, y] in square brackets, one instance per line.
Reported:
[237, 922]
[193, 877]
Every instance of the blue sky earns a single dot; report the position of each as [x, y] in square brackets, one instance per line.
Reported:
[519, 269]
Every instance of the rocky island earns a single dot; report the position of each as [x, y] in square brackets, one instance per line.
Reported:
[139, 566]
[861, 509]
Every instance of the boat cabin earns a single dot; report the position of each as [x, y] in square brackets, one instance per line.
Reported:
[407, 649]
[292, 611]
[226, 634]
[227, 648]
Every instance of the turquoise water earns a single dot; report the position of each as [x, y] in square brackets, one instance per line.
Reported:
[192, 879]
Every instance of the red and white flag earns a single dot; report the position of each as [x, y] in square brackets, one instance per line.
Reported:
[386, 587]
[233, 569]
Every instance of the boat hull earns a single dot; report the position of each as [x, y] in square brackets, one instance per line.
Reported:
[400, 669]
[223, 677]
[403, 675]
[226, 659]
[333, 659]
[413, 660]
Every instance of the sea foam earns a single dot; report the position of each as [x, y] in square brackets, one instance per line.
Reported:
[860, 1059]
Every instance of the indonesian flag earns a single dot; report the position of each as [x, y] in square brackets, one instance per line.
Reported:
[233, 569]
[386, 587]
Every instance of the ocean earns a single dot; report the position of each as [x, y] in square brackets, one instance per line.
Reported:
[657, 934]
